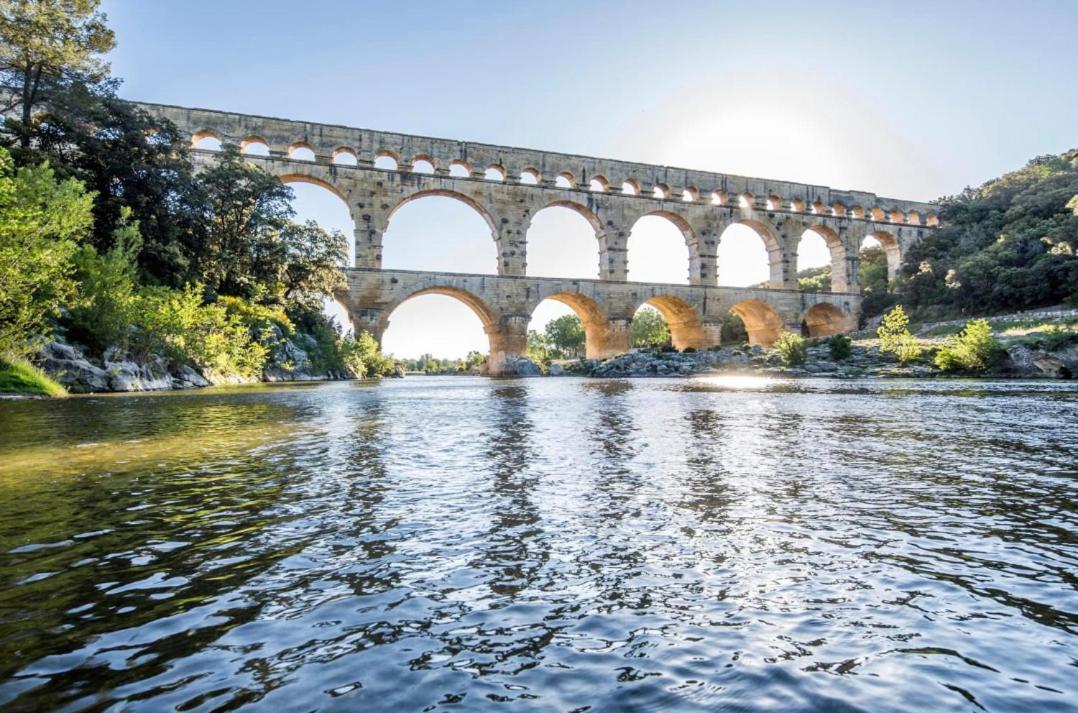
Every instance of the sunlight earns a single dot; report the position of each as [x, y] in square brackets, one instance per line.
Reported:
[561, 243]
[657, 252]
[435, 324]
[742, 258]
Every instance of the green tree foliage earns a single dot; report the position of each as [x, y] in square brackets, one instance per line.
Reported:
[1010, 244]
[895, 337]
[840, 347]
[792, 349]
[41, 221]
[974, 349]
[565, 337]
[814, 279]
[44, 46]
[253, 249]
[539, 348]
[649, 329]
[733, 329]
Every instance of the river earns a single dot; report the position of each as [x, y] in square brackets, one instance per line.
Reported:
[457, 543]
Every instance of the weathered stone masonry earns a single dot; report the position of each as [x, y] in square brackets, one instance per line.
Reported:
[508, 186]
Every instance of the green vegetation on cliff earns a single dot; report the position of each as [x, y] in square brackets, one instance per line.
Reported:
[109, 235]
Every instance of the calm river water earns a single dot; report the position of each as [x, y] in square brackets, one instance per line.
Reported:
[547, 544]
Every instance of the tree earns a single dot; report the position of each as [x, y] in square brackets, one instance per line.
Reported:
[648, 329]
[792, 349]
[246, 209]
[310, 263]
[974, 349]
[45, 44]
[41, 222]
[895, 337]
[565, 336]
[538, 347]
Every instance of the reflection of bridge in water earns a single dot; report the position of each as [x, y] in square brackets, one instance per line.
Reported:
[375, 173]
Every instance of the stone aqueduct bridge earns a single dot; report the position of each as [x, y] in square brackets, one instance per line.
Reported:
[508, 186]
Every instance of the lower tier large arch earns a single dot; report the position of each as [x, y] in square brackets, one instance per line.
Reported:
[762, 322]
[687, 329]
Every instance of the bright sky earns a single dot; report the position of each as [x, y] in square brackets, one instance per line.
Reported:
[906, 99]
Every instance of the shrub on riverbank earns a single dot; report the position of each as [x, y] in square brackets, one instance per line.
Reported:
[18, 376]
[974, 349]
[840, 347]
[895, 337]
[792, 349]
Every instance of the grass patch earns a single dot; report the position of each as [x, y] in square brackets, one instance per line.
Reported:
[18, 376]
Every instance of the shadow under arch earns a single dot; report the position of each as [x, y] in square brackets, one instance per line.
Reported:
[762, 322]
[823, 320]
[686, 326]
[599, 341]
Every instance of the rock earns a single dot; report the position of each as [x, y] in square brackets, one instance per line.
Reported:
[556, 370]
[520, 366]
[68, 366]
[187, 378]
[129, 375]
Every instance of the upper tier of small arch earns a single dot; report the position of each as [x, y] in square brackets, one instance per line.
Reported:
[648, 181]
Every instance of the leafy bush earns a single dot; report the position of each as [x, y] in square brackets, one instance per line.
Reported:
[41, 220]
[791, 348]
[895, 337]
[974, 349]
[19, 376]
[840, 346]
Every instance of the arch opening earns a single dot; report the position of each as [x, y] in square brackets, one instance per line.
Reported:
[888, 242]
[320, 203]
[821, 261]
[206, 141]
[459, 169]
[823, 320]
[562, 242]
[254, 146]
[300, 152]
[422, 165]
[570, 325]
[438, 329]
[685, 327]
[564, 180]
[529, 177]
[440, 230]
[658, 249]
[494, 173]
[344, 156]
[763, 325]
[749, 255]
[385, 161]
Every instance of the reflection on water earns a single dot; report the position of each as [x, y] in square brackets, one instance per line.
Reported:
[559, 544]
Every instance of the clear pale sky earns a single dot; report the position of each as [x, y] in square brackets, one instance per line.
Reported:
[906, 99]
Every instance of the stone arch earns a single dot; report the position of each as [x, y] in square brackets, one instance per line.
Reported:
[301, 151]
[564, 253]
[686, 327]
[688, 236]
[601, 340]
[762, 322]
[823, 320]
[444, 193]
[345, 156]
[254, 142]
[487, 317]
[772, 246]
[891, 245]
[840, 273]
[315, 180]
[199, 136]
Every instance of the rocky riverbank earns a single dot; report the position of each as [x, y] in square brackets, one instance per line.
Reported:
[865, 360]
[114, 371]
